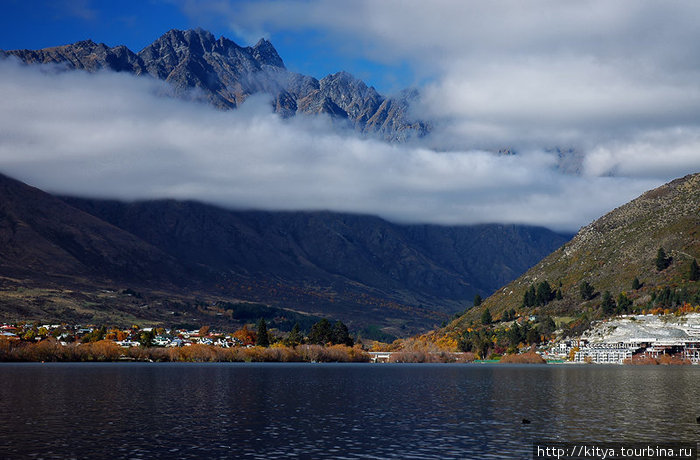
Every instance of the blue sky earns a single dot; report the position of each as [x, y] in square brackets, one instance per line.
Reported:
[34, 24]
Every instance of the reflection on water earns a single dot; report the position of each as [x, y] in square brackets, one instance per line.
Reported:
[132, 410]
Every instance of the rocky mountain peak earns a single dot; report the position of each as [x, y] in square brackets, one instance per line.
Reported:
[266, 54]
[228, 74]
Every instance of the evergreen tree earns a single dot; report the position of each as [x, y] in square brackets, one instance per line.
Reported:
[559, 296]
[513, 335]
[294, 338]
[587, 291]
[694, 274]
[544, 294]
[532, 337]
[624, 304]
[547, 326]
[321, 332]
[262, 339]
[486, 318]
[341, 336]
[608, 303]
[477, 300]
[530, 297]
[662, 262]
[146, 338]
[508, 315]
[636, 284]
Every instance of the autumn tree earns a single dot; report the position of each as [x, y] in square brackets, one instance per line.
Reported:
[94, 336]
[245, 335]
[263, 340]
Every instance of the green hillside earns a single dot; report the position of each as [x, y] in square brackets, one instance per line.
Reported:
[609, 254]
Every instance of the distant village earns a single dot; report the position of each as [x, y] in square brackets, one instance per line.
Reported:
[634, 339]
[132, 337]
[627, 339]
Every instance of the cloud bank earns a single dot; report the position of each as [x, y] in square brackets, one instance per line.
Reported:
[508, 73]
[112, 135]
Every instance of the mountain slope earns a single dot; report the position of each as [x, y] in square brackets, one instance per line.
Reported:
[610, 253]
[42, 236]
[341, 262]
[227, 74]
[73, 257]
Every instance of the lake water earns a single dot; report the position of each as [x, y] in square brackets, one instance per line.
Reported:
[423, 411]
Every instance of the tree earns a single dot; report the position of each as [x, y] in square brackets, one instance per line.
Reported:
[544, 294]
[341, 336]
[204, 331]
[245, 335]
[662, 262]
[636, 284]
[532, 336]
[321, 332]
[530, 297]
[508, 315]
[624, 304]
[608, 303]
[146, 338]
[294, 338]
[513, 335]
[486, 318]
[587, 291]
[262, 339]
[477, 300]
[694, 273]
[547, 326]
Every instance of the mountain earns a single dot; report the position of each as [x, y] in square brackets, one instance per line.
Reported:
[227, 74]
[609, 254]
[77, 258]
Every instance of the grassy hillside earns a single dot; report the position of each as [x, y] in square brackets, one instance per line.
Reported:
[609, 254]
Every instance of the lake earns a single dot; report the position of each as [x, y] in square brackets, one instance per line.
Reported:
[421, 411]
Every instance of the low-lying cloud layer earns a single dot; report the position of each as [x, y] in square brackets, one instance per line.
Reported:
[117, 136]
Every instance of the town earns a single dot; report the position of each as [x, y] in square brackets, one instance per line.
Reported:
[626, 339]
[635, 339]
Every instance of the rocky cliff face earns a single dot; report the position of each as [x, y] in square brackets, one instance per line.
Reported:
[227, 74]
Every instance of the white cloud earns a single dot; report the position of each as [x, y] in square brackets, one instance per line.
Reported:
[508, 73]
[113, 135]
[619, 82]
